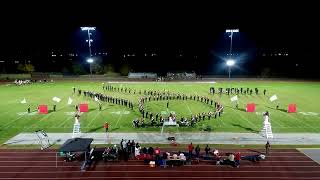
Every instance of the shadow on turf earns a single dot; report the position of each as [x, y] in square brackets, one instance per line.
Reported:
[283, 110]
[114, 129]
[94, 129]
[246, 128]
[239, 109]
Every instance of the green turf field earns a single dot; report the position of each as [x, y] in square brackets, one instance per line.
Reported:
[14, 119]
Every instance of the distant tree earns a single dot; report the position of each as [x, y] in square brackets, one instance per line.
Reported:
[65, 70]
[29, 68]
[266, 72]
[25, 68]
[109, 68]
[96, 66]
[21, 67]
[124, 70]
[78, 69]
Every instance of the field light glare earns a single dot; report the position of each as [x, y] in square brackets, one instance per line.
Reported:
[90, 60]
[230, 62]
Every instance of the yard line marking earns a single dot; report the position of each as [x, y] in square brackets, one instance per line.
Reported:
[188, 107]
[95, 117]
[119, 117]
[245, 118]
[6, 125]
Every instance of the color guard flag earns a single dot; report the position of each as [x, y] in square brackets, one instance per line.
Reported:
[56, 99]
[70, 100]
[23, 101]
[234, 98]
[273, 98]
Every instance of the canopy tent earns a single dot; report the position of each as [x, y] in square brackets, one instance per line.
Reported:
[76, 145]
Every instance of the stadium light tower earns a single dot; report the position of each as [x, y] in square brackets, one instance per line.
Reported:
[90, 61]
[89, 40]
[231, 62]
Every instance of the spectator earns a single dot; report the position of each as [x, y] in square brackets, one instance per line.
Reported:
[268, 147]
[144, 150]
[121, 144]
[182, 157]
[197, 151]
[150, 150]
[207, 150]
[231, 159]
[237, 159]
[164, 158]
[137, 151]
[190, 149]
[175, 156]
[129, 147]
[133, 146]
[157, 153]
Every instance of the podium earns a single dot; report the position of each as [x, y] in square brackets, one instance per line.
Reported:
[266, 130]
[76, 130]
[43, 139]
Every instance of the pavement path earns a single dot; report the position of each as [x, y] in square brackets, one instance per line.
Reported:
[181, 138]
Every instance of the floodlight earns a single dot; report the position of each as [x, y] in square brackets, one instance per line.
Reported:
[232, 30]
[90, 60]
[88, 28]
[230, 62]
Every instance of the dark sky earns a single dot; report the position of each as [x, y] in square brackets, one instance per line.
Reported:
[141, 24]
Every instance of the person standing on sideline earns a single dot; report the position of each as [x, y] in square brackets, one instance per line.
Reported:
[207, 150]
[190, 149]
[267, 147]
[237, 159]
[106, 126]
[197, 152]
[264, 92]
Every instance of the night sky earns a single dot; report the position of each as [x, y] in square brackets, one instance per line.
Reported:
[195, 30]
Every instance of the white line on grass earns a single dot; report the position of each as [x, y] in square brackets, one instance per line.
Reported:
[93, 119]
[64, 122]
[13, 121]
[245, 118]
[119, 117]
[188, 107]
[303, 123]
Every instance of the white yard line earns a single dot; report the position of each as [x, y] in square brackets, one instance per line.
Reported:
[92, 120]
[120, 116]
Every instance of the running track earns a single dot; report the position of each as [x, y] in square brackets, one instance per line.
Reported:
[35, 165]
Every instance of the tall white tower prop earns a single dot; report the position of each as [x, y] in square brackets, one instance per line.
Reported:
[266, 130]
[76, 126]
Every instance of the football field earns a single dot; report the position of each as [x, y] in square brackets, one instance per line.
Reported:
[15, 119]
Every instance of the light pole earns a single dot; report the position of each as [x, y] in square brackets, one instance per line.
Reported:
[90, 61]
[89, 40]
[231, 62]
